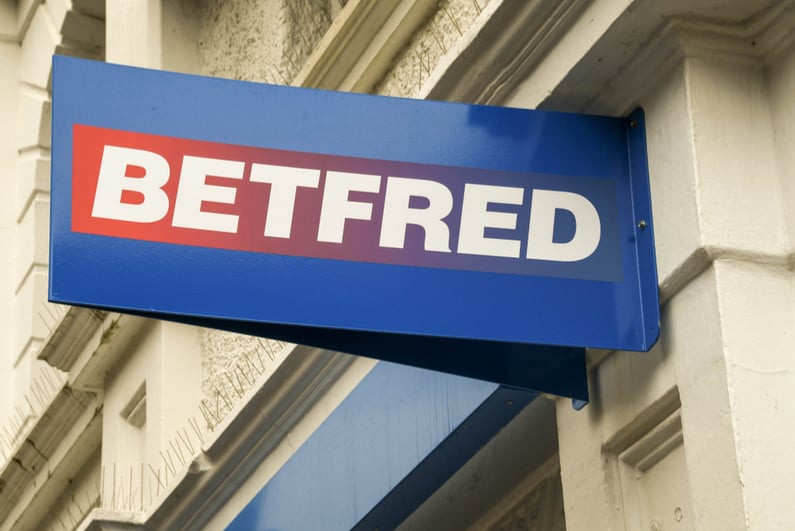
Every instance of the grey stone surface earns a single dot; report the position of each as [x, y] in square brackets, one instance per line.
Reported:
[260, 40]
[231, 363]
[439, 34]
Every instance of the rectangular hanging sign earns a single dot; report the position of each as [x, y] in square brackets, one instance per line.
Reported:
[409, 230]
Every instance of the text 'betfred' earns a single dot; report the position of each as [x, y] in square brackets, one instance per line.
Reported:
[291, 203]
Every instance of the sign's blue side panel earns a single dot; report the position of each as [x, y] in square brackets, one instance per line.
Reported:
[646, 257]
[389, 445]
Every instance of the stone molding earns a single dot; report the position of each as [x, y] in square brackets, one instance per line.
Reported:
[535, 503]
[250, 432]
[496, 55]
[360, 44]
[69, 336]
[49, 444]
[672, 37]
[18, 15]
[503, 48]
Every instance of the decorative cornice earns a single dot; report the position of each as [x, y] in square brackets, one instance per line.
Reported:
[105, 349]
[69, 337]
[15, 17]
[637, 48]
[763, 36]
[505, 46]
[110, 520]
[87, 343]
[645, 43]
[8, 19]
[360, 44]
[30, 463]
[534, 503]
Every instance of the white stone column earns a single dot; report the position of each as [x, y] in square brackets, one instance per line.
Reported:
[741, 183]
[133, 32]
[698, 433]
[152, 397]
[153, 34]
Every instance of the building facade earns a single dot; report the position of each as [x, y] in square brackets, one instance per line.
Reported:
[110, 421]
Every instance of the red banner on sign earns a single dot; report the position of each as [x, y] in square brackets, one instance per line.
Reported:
[190, 192]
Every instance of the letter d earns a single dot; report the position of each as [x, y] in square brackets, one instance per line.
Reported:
[113, 181]
[587, 233]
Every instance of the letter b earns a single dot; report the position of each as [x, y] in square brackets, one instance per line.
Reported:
[113, 181]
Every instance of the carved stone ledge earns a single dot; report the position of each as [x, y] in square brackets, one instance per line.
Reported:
[39, 451]
[70, 336]
[359, 46]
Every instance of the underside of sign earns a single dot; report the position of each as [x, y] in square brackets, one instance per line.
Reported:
[489, 242]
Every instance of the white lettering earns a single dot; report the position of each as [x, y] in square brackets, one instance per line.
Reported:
[131, 182]
[284, 182]
[475, 218]
[587, 233]
[398, 214]
[193, 191]
[337, 208]
[113, 182]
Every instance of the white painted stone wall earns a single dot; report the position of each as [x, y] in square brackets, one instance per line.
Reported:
[9, 57]
[29, 33]
[31, 202]
[695, 434]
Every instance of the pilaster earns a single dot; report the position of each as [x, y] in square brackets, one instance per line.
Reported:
[692, 434]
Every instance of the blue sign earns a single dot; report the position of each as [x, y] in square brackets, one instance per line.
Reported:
[484, 241]
[393, 442]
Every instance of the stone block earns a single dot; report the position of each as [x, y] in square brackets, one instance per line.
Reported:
[34, 120]
[32, 251]
[672, 180]
[757, 304]
[32, 321]
[38, 46]
[33, 180]
[738, 188]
